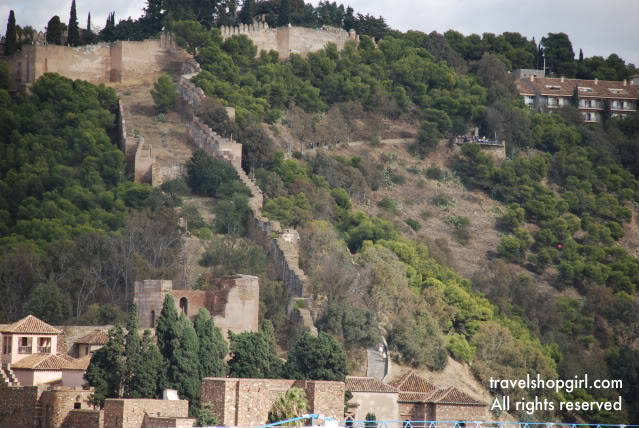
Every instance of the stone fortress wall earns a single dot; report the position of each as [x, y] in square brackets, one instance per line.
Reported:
[290, 40]
[99, 63]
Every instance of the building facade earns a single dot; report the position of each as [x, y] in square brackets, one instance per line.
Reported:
[594, 96]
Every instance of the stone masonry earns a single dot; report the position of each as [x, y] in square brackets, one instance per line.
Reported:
[130, 413]
[247, 402]
[233, 302]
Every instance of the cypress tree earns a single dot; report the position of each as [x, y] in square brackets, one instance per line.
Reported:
[132, 354]
[165, 331]
[574, 100]
[248, 12]
[11, 43]
[73, 38]
[213, 348]
[148, 378]
[54, 31]
[284, 15]
[581, 56]
[89, 22]
[184, 365]
[107, 369]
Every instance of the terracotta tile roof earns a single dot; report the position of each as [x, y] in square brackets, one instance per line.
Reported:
[30, 324]
[80, 363]
[454, 396]
[44, 362]
[413, 397]
[367, 384]
[96, 337]
[412, 382]
[602, 89]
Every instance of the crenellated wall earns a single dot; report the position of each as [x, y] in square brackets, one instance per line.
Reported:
[282, 245]
[98, 63]
[290, 40]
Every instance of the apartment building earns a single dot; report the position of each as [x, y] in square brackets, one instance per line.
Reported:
[550, 93]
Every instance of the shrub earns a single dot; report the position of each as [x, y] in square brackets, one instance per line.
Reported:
[164, 93]
[161, 117]
[443, 201]
[176, 186]
[388, 203]
[193, 218]
[298, 155]
[459, 347]
[414, 224]
[206, 416]
[434, 173]
[460, 226]
[425, 215]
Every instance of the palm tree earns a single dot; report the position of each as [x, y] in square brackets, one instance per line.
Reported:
[291, 404]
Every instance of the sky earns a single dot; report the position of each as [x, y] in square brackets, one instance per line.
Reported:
[598, 27]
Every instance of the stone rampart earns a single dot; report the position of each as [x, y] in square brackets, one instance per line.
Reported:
[128, 143]
[290, 40]
[84, 419]
[98, 63]
[143, 162]
[130, 413]
[162, 422]
[283, 246]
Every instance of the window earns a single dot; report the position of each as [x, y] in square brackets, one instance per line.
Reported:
[553, 87]
[6, 345]
[44, 345]
[617, 91]
[584, 89]
[77, 405]
[25, 345]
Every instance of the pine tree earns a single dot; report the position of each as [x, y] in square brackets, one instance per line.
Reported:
[11, 43]
[54, 31]
[349, 19]
[284, 14]
[184, 365]
[73, 38]
[248, 12]
[317, 358]
[213, 348]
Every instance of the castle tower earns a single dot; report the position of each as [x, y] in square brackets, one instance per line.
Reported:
[149, 295]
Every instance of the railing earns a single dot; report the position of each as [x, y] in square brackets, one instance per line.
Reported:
[44, 349]
[24, 349]
[473, 424]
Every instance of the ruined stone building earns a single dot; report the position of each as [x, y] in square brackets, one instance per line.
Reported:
[233, 302]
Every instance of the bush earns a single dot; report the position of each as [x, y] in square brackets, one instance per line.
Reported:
[161, 117]
[442, 201]
[460, 226]
[388, 203]
[434, 172]
[419, 341]
[164, 93]
[414, 224]
[176, 186]
[425, 215]
[193, 218]
[459, 348]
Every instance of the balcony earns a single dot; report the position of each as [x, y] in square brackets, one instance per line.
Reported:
[44, 349]
[24, 349]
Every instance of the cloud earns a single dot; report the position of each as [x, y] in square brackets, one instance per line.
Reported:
[599, 28]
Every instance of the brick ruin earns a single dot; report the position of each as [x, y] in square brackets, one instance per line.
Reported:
[60, 407]
[247, 402]
[233, 302]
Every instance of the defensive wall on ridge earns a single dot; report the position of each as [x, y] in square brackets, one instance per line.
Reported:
[290, 40]
[98, 63]
[282, 245]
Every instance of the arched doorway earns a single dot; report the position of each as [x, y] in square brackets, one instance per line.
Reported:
[184, 306]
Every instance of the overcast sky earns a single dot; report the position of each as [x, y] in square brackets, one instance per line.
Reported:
[598, 27]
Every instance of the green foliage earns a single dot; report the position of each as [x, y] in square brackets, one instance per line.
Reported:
[428, 138]
[206, 416]
[107, 368]
[191, 214]
[49, 303]
[354, 326]
[208, 176]
[414, 224]
[229, 255]
[434, 172]
[184, 363]
[371, 420]
[11, 43]
[419, 341]
[289, 405]
[253, 355]
[55, 28]
[73, 37]
[316, 358]
[61, 174]
[460, 225]
[289, 210]
[389, 203]
[213, 348]
[459, 348]
[175, 186]
[166, 328]
[164, 93]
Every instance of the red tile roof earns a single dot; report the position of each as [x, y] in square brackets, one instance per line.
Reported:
[367, 384]
[30, 325]
[454, 396]
[96, 337]
[412, 382]
[44, 362]
[601, 89]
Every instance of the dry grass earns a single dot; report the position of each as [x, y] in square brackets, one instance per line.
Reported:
[416, 195]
